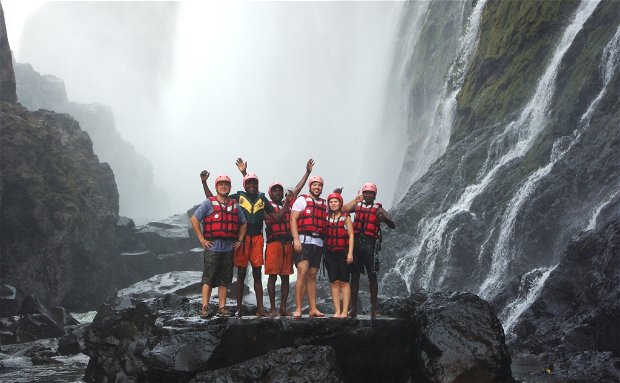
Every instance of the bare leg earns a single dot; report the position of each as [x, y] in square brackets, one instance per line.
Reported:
[355, 286]
[300, 286]
[284, 279]
[241, 271]
[336, 298]
[346, 298]
[258, 288]
[221, 295]
[206, 294]
[311, 286]
[374, 290]
[271, 290]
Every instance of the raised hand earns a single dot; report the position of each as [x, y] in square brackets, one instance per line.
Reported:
[338, 190]
[309, 165]
[204, 175]
[241, 165]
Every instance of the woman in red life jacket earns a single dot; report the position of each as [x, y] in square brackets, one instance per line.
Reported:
[339, 254]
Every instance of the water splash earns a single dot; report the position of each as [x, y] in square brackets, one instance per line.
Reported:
[529, 289]
[592, 222]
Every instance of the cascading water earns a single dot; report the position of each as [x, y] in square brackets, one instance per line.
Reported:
[433, 235]
[503, 252]
[431, 128]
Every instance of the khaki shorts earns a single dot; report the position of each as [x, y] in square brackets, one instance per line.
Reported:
[218, 268]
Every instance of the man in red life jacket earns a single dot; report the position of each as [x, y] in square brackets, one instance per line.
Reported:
[279, 250]
[255, 207]
[308, 220]
[368, 217]
[223, 230]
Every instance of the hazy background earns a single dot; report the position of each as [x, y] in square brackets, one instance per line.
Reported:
[193, 86]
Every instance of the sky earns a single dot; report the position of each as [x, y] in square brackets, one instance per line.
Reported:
[274, 83]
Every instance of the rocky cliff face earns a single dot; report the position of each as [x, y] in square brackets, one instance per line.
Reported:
[134, 174]
[59, 208]
[7, 77]
[532, 161]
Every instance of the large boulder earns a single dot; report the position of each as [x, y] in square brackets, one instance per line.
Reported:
[439, 338]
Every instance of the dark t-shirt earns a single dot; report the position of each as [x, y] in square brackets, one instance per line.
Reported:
[254, 208]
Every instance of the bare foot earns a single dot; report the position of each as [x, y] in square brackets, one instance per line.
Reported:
[297, 315]
[284, 312]
[315, 313]
[337, 315]
[272, 313]
[239, 312]
[261, 313]
[353, 314]
[375, 314]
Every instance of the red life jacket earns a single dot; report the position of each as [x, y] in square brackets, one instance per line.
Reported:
[366, 220]
[337, 234]
[278, 231]
[312, 219]
[223, 222]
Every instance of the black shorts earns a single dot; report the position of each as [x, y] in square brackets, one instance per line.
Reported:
[218, 268]
[364, 256]
[310, 253]
[337, 267]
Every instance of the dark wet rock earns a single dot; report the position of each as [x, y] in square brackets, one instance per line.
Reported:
[9, 303]
[44, 360]
[167, 235]
[163, 339]
[73, 342]
[37, 348]
[460, 337]
[582, 295]
[301, 364]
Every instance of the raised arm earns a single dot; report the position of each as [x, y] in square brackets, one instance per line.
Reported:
[384, 217]
[302, 181]
[204, 176]
[350, 206]
[242, 166]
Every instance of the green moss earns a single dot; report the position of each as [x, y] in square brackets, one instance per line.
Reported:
[516, 41]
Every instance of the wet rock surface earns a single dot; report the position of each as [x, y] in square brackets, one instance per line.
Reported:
[582, 295]
[438, 338]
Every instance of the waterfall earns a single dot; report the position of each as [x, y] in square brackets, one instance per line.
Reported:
[516, 139]
[503, 253]
[592, 221]
[431, 133]
[529, 289]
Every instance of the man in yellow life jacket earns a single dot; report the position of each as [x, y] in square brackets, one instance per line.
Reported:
[255, 207]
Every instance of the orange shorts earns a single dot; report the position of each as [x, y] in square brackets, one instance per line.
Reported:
[251, 251]
[279, 258]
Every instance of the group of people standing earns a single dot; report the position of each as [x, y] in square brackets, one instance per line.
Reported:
[301, 230]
